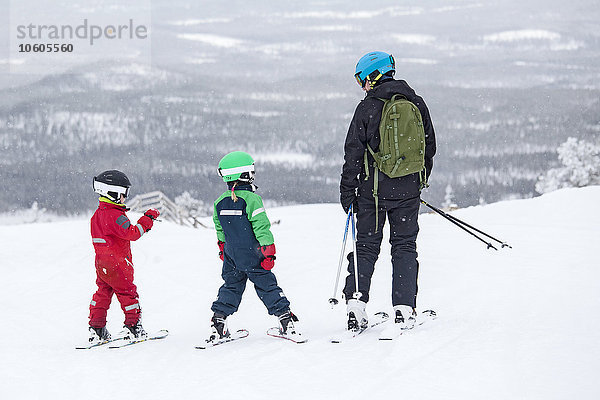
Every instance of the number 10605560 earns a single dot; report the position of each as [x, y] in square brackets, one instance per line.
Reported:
[45, 48]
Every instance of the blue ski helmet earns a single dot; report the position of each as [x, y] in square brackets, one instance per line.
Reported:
[373, 66]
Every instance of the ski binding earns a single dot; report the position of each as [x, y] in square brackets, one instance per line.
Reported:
[123, 342]
[377, 319]
[97, 344]
[296, 337]
[423, 317]
[240, 334]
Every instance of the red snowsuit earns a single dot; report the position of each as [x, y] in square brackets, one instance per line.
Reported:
[111, 233]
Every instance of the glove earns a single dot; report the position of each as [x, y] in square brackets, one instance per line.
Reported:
[349, 199]
[269, 253]
[152, 214]
[146, 222]
[221, 249]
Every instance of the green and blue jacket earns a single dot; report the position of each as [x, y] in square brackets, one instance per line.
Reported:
[240, 219]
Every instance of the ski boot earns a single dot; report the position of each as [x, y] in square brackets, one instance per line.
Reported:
[405, 319]
[286, 323]
[357, 315]
[98, 335]
[406, 316]
[218, 326]
[287, 328]
[135, 332]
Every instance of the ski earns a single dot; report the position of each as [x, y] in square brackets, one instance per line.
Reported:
[240, 334]
[97, 344]
[296, 338]
[163, 333]
[427, 315]
[377, 319]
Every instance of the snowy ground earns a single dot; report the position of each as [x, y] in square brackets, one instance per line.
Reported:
[519, 324]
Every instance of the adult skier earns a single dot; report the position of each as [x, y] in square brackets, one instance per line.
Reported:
[362, 186]
[112, 233]
[246, 247]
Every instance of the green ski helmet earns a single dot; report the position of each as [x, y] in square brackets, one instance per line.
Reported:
[237, 166]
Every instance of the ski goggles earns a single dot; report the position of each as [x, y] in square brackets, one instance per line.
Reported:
[360, 82]
[103, 188]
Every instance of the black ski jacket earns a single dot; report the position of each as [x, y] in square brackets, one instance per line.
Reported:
[364, 129]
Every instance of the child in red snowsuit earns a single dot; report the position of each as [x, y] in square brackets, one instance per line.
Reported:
[112, 233]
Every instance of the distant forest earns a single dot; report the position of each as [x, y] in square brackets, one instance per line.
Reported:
[168, 134]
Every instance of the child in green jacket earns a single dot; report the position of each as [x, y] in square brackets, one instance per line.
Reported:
[247, 248]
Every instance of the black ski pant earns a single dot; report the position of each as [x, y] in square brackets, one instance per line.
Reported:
[404, 227]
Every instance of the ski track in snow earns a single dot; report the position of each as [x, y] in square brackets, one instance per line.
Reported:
[518, 323]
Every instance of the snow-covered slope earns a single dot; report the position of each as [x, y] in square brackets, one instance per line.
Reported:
[520, 323]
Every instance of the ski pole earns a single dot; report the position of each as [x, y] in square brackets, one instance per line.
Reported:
[356, 295]
[462, 225]
[333, 301]
[504, 244]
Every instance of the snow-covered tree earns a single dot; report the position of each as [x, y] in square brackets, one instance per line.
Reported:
[35, 212]
[580, 167]
[192, 206]
[449, 201]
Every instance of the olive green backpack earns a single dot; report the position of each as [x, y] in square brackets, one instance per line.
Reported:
[401, 145]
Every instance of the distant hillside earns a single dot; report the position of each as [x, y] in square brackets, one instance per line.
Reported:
[276, 79]
[168, 130]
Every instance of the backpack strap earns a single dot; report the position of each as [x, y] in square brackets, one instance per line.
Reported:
[376, 196]
[423, 179]
[375, 184]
